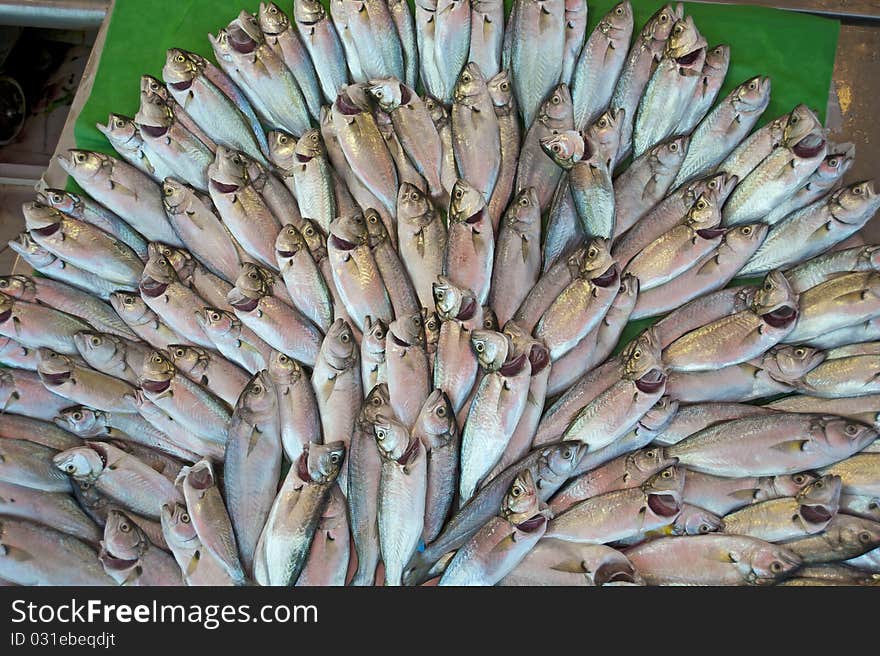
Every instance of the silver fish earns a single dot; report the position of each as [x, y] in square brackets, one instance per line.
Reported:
[537, 45]
[487, 34]
[712, 77]
[470, 249]
[476, 135]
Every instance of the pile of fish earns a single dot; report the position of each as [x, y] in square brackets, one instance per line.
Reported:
[345, 309]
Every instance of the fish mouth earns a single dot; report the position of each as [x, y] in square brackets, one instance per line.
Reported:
[467, 310]
[711, 233]
[346, 105]
[342, 244]
[532, 524]
[4, 316]
[155, 386]
[513, 367]
[613, 573]
[398, 341]
[303, 159]
[223, 188]
[201, 479]
[409, 454]
[241, 42]
[688, 59]
[181, 86]
[287, 253]
[475, 218]
[55, 379]
[606, 279]
[302, 467]
[781, 318]
[809, 146]
[153, 130]
[652, 382]
[539, 356]
[664, 505]
[117, 564]
[246, 304]
[816, 514]
[152, 288]
[45, 231]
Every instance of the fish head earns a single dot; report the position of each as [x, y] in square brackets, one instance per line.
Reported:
[157, 372]
[284, 370]
[869, 256]
[228, 171]
[501, 91]
[290, 242]
[651, 459]
[432, 325]
[272, 20]
[177, 526]
[83, 463]
[470, 86]
[659, 26]
[308, 12]
[696, 521]
[776, 301]
[99, 347]
[54, 368]
[524, 211]
[376, 404]
[187, 358]
[565, 148]
[179, 259]
[253, 282]
[309, 146]
[602, 137]
[375, 332]
[413, 206]
[153, 87]
[82, 421]
[752, 95]
[664, 491]
[283, 149]
[154, 113]
[801, 123]
[643, 364]
[258, 399]
[854, 532]
[837, 162]
[181, 68]
[389, 93]
[766, 562]
[352, 100]
[61, 200]
[671, 153]
[557, 107]
[392, 437]
[788, 363]
[407, 331]
[620, 17]
[40, 219]
[615, 569]
[820, 500]
[174, 195]
[376, 230]
[86, 164]
[684, 41]
[466, 205]
[789, 485]
[490, 347]
[660, 414]
[490, 321]
[558, 460]
[197, 477]
[130, 307]
[157, 275]
[339, 347]
[521, 500]
[436, 420]
[850, 204]
[323, 462]
[217, 322]
[7, 303]
[717, 61]
[439, 114]
[746, 238]
[844, 434]
[315, 239]
[348, 232]
[597, 264]
[718, 186]
[122, 537]
[121, 130]
[20, 287]
[704, 214]
[451, 301]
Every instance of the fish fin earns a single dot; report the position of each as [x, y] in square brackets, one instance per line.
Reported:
[791, 446]
[115, 186]
[252, 441]
[743, 495]
[570, 568]
[193, 563]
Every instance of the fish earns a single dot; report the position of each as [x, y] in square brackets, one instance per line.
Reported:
[452, 32]
[283, 549]
[322, 42]
[437, 429]
[560, 563]
[54, 510]
[487, 35]
[576, 12]
[401, 291]
[421, 238]
[235, 341]
[455, 362]
[844, 538]
[252, 463]
[826, 266]
[198, 566]
[130, 558]
[712, 77]
[113, 355]
[754, 149]
[501, 92]
[83, 385]
[724, 496]
[409, 375]
[859, 474]
[821, 308]
[32, 465]
[125, 137]
[537, 45]
[600, 64]
[22, 394]
[476, 133]
[406, 30]
[35, 326]
[841, 377]
[327, 563]
[470, 248]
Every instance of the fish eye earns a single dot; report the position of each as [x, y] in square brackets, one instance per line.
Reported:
[851, 429]
[381, 434]
[441, 411]
[794, 119]
[4, 283]
[180, 59]
[619, 11]
[857, 190]
[637, 354]
[819, 484]
[524, 201]
[373, 218]
[273, 9]
[179, 352]
[517, 491]
[157, 359]
[768, 286]
[753, 85]
[556, 148]
[833, 162]
[80, 157]
[215, 316]
[282, 139]
[677, 30]
[798, 478]
[666, 473]
[567, 453]
[556, 100]
[505, 86]
[701, 204]
[128, 300]
[479, 347]
[459, 194]
[651, 453]
[119, 123]
[466, 77]
[184, 518]
[747, 230]
[713, 184]
[77, 415]
[775, 567]
[864, 537]
[345, 338]
[70, 468]
[334, 458]
[664, 18]
[592, 252]
[800, 352]
[704, 528]
[380, 334]
[124, 527]
[96, 341]
[379, 93]
[256, 390]
[673, 147]
[376, 401]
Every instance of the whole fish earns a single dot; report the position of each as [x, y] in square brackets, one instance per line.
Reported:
[406, 30]
[327, 563]
[715, 559]
[323, 45]
[297, 406]
[517, 255]
[845, 537]
[842, 377]
[455, 363]
[501, 92]
[746, 334]
[192, 405]
[840, 302]
[789, 518]
[816, 228]
[313, 179]
[754, 149]
[374, 369]
[394, 275]
[207, 368]
[555, 562]
[83, 385]
[470, 249]
[38, 431]
[68, 299]
[726, 126]
[209, 516]
[620, 514]
[285, 42]
[600, 64]
[769, 446]
[121, 476]
[235, 341]
[283, 548]
[339, 13]
[537, 47]
[645, 183]
[476, 134]
[860, 506]
[576, 13]
[193, 218]
[303, 279]
[31, 465]
[22, 394]
[85, 209]
[112, 355]
[52, 509]
[38, 555]
[406, 171]
[726, 495]
[712, 77]
[452, 33]
[408, 371]
[824, 267]
[860, 408]
[496, 549]
[637, 69]
[126, 139]
[198, 565]
[671, 87]
[214, 102]
[402, 495]
[421, 238]
[252, 463]
[35, 326]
